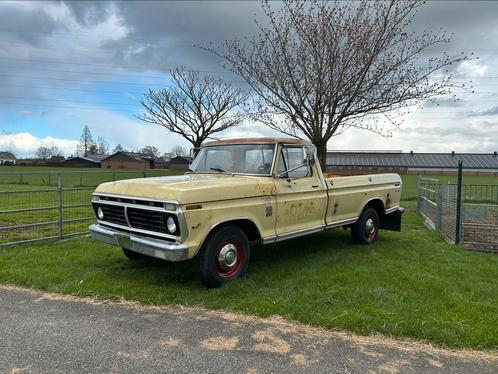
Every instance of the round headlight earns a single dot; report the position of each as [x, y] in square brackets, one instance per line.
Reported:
[171, 225]
[100, 213]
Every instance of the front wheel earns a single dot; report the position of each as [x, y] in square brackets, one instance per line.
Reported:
[224, 256]
[366, 229]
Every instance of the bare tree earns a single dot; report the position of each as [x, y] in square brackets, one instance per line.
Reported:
[151, 151]
[318, 68]
[43, 152]
[195, 107]
[55, 151]
[87, 144]
[118, 148]
[102, 146]
[178, 150]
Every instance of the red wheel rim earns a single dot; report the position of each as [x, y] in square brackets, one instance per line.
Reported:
[371, 228]
[229, 258]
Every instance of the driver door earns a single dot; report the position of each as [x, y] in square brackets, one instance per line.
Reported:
[300, 194]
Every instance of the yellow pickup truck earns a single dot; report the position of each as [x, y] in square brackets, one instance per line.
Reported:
[239, 192]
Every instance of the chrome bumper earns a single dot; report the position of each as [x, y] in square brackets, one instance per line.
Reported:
[147, 246]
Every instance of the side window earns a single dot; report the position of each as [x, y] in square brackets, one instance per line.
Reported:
[293, 158]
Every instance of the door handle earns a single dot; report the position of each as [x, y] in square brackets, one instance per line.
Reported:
[315, 186]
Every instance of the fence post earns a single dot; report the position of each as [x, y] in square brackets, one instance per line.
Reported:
[459, 204]
[439, 202]
[59, 203]
[419, 181]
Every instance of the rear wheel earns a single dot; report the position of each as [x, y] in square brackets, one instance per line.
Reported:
[132, 255]
[366, 229]
[224, 256]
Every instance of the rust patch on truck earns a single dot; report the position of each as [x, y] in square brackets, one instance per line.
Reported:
[299, 210]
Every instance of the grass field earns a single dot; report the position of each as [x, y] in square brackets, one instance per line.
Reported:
[46, 176]
[39, 190]
[407, 284]
[410, 182]
[35, 176]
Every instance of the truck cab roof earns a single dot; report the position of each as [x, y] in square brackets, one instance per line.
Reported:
[257, 140]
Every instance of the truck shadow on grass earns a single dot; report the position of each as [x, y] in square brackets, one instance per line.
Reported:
[268, 263]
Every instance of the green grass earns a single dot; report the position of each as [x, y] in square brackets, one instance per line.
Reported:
[30, 176]
[407, 284]
[42, 193]
[409, 191]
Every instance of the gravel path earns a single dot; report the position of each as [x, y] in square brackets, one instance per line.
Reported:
[45, 333]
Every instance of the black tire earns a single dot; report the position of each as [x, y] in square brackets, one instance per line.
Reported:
[133, 255]
[366, 229]
[214, 267]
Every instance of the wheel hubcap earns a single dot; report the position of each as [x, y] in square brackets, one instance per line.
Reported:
[227, 258]
[370, 228]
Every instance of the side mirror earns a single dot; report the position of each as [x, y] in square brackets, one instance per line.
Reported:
[310, 151]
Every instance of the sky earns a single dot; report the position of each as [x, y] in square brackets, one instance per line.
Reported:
[64, 65]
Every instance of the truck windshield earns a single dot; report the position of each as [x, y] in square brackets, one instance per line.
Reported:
[255, 159]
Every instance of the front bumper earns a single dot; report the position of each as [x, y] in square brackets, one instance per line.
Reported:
[151, 247]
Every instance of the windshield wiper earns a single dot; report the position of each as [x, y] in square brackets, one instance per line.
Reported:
[220, 170]
[192, 171]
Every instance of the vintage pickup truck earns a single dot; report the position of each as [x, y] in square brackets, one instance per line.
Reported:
[239, 192]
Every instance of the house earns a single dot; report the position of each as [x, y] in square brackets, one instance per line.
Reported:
[129, 160]
[88, 161]
[7, 158]
[161, 163]
[180, 163]
[366, 162]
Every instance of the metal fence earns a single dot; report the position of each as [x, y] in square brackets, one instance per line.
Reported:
[37, 206]
[465, 214]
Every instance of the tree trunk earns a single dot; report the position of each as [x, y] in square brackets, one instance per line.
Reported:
[321, 152]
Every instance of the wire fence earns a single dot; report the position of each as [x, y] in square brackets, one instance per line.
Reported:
[83, 178]
[465, 214]
[38, 206]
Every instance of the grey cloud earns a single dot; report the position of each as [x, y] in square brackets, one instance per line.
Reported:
[487, 112]
[170, 31]
[164, 33]
[90, 13]
[472, 22]
[22, 25]
[444, 102]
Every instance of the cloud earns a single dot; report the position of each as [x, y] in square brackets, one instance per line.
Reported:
[147, 37]
[487, 112]
[426, 136]
[24, 144]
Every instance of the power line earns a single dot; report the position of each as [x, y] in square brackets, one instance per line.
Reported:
[144, 68]
[84, 72]
[107, 65]
[406, 117]
[84, 80]
[59, 106]
[64, 100]
[71, 89]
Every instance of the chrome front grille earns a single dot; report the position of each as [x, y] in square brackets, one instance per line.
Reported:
[147, 219]
[136, 215]
[114, 214]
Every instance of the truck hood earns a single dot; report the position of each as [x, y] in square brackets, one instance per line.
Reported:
[191, 188]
